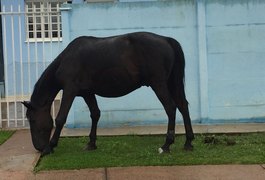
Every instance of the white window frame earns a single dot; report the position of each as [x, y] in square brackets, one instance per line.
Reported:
[43, 20]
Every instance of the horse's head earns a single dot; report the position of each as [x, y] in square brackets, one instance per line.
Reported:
[41, 125]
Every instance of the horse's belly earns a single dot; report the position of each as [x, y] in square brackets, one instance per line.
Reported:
[115, 82]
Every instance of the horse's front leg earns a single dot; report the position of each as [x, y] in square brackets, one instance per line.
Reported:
[67, 100]
[91, 102]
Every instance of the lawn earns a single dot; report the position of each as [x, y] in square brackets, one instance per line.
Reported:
[133, 150]
[4, 135]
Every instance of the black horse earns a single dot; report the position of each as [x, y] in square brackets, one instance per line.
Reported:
[109, 67]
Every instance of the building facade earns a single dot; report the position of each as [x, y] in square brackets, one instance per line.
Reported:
[223, 42]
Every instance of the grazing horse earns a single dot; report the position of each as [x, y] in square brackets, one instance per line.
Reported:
[109, 67]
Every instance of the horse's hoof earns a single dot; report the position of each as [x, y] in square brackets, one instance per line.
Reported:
[53, 144]
[188, 147]
[90, 147]
[46, 151]
[162, 150]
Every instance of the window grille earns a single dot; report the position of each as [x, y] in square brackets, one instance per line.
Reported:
[43, 20]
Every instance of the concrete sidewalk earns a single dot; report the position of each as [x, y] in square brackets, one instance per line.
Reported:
[18, 157]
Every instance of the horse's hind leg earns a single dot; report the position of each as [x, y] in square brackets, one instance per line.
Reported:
[183, 108]
[162, 92]
[182, 104]
[91, 102]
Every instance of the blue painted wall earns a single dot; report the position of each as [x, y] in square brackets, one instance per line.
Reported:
[236, 60]
[223, 42]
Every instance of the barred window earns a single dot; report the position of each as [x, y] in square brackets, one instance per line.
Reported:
[43, 20]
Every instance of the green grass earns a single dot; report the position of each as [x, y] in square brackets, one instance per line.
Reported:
[4, 135]
[143, 151]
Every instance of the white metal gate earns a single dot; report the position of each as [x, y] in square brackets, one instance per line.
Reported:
[25, 59]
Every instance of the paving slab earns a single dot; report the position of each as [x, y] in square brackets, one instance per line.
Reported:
[83, 174]
[16, 175]
[18, 157]
[18, 152]
[201, 172]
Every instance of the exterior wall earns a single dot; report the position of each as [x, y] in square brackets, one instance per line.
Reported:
[223, 45]
[236, 60]
[223, 42]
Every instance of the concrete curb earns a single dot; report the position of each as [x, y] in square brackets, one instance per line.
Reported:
[161, 129]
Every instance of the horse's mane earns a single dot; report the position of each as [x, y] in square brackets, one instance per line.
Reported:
[45, 85]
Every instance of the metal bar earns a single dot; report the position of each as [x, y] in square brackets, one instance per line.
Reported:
[1, 58]
[43, 40]
[14, 64]
[50, 33]
[28, 53]
[35, 44]
[2, 61]
[6, 67]
[21, 66]
[58, 27]
[51, 47]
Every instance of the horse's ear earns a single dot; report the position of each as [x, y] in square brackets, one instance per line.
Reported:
[27, 104]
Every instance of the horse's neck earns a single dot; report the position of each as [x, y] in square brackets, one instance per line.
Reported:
[44, 94]
[46, 88]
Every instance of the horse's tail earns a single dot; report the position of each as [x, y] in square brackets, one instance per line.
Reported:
[177, 76]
